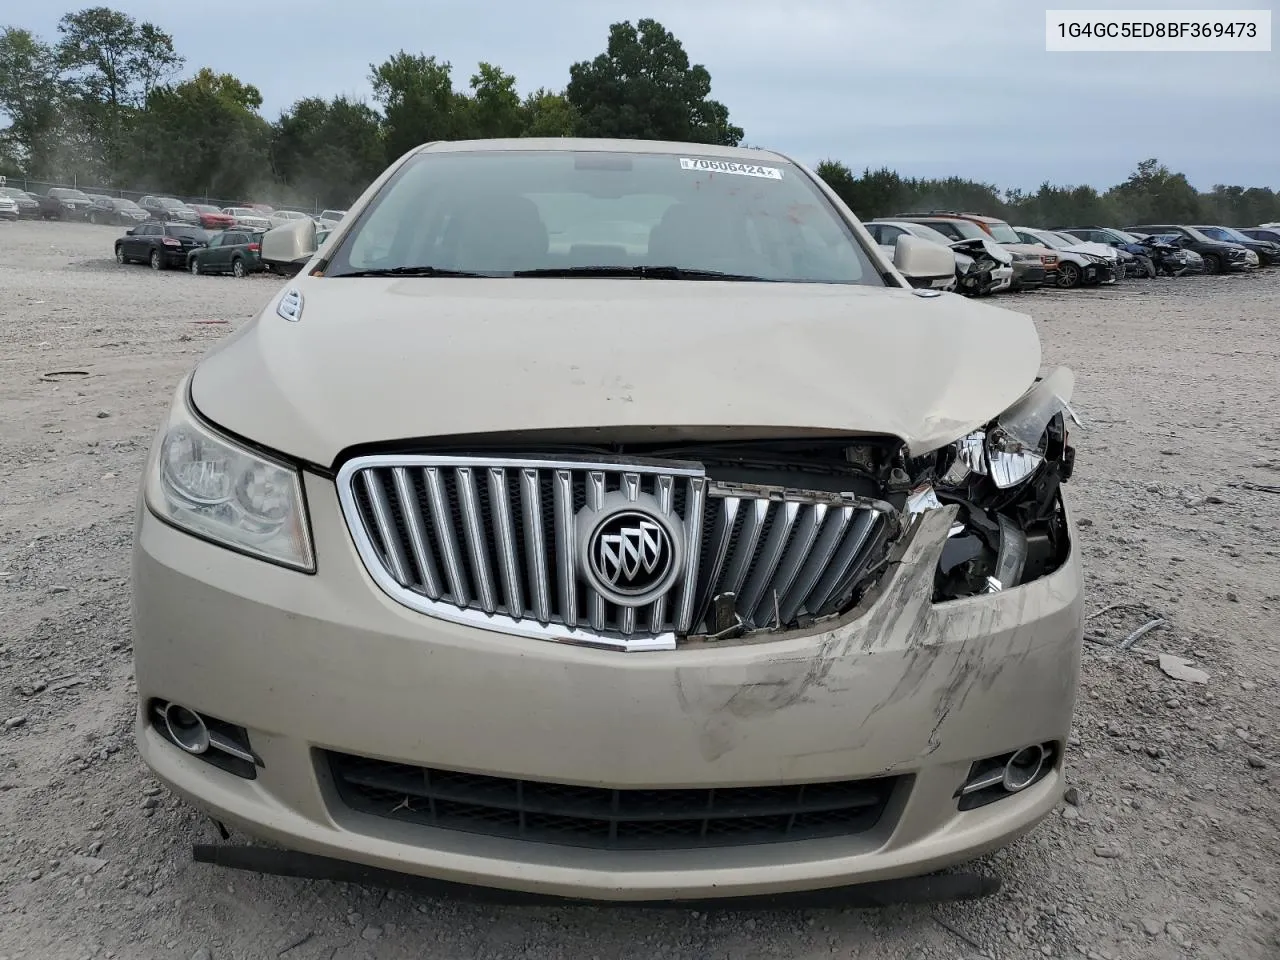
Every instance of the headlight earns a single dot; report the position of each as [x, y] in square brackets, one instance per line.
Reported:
[209, 486]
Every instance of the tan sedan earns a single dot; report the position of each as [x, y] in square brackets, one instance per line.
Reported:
[612, 519]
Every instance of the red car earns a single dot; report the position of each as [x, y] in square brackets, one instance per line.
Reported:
[211, 218]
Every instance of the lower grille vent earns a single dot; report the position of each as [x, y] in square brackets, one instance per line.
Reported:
[609, 819]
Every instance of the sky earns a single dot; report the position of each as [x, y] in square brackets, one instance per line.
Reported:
[926, 87]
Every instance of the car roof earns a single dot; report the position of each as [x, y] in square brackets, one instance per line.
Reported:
[950, 215]
[563, 144]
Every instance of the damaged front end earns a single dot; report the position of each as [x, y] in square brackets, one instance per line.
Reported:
[1011, 526]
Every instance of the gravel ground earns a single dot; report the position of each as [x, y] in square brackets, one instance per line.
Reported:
[1168, 848]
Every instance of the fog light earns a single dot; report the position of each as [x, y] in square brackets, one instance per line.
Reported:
[995, 778]
[186, 729]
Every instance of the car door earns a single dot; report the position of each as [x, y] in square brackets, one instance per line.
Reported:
[208, 257]
[230, 239]
[150, 239]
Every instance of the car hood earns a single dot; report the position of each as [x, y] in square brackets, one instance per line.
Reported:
[374, 360]
[1030, 248]
[1094, 249]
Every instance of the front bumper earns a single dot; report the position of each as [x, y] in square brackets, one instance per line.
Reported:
[306, 664]
[1028, 275]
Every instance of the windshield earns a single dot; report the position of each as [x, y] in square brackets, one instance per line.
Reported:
[922, 232]
[1003, 233]
[170, 204]
[1058, 240]
[125, 205]
[497, 213]
[13, 192]
[1124, 237]
[1226, 234]
[69, 194]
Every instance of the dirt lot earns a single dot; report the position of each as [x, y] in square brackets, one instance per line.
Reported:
[1171, 848]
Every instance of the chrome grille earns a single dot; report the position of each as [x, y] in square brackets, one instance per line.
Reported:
[493, 542]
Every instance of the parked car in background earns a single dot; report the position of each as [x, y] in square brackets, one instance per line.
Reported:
[116, 210]
[279, 218]
[237, 252]
[65, 203]
[8, 208]
[28, 207]
[887, 232]
[1033, 265]
[169, 209]
[263, 208]
[1080, 263]
[1262, 233]
[160, 244]
[248, 218]
[1170, 254]
[1117, 239]
[331, 217]
[1268, 251]
[211, 218]
[1218, 256]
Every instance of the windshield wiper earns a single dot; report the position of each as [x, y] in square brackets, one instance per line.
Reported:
[421, 271]
[648, 273]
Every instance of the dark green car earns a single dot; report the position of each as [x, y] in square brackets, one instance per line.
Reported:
[236, 252]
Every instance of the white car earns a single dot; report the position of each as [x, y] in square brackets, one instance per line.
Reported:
[248, 218]
[887, 233]
[279, 218]
[8, 208]
[1080, 262]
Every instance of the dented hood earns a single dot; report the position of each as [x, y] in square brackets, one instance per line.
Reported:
[373, 360]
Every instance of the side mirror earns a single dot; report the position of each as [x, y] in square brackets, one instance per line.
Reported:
[287, 248]
[922, 261]
[130, 232]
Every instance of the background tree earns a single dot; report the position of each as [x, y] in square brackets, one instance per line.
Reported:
[495, 104]
[110, 63]
[548, 114]
[327, 152]
[29, 97]
[418, 102]
[643, 87]
[203, 137]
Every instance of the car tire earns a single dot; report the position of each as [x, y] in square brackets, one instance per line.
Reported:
[1068, 275]
[237, 269]
[194, 266]
[157, 261]
[120, 257]
[1212, 263]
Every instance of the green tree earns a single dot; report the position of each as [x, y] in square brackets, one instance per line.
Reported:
[643, 87]
[495, 103]
[418, 102]
[203, 137]
[29, 97]
[111, 63]
[1154, 194]
[548, 114]
[327, 152]
[840, 178]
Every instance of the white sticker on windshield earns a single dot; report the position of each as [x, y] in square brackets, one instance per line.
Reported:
[731, 166]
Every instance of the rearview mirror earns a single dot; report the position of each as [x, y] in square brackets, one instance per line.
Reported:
[922, 261]
[288, 247]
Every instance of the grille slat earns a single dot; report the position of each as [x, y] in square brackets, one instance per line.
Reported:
[504, 531]
[818, 560]
[566, 548]
[408, 502]
[474, 534]
[844, 559]
[768, 558]
[539, 580]
[496, 542]
[605, 818]
[442, 521]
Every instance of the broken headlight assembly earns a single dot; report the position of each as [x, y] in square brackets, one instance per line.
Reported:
[1010, 525]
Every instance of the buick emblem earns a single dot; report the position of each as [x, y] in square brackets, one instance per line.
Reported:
[630, 555]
